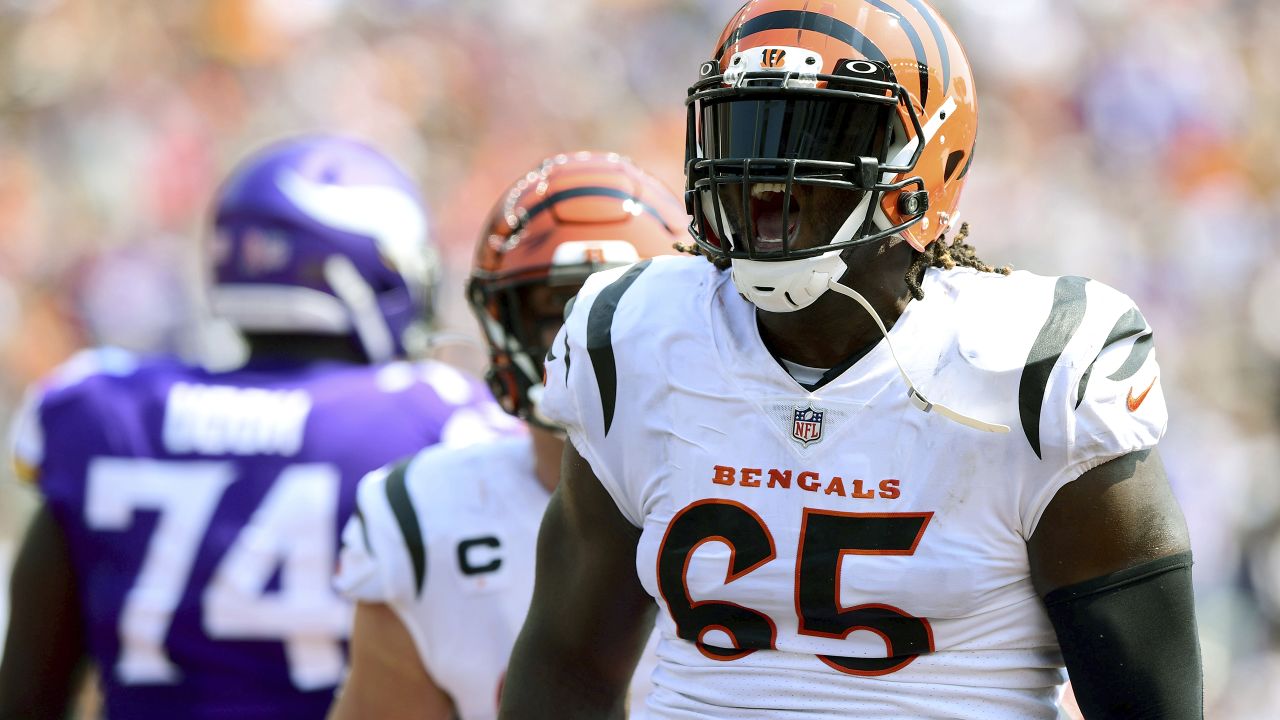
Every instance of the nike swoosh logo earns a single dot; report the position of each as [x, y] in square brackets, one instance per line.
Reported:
[1135, 402]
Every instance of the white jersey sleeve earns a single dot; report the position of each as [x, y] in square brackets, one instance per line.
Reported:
[603, 374]
[1089, 392]
[447, 541]
[1119, 405]
[582, 382]
[380, 561]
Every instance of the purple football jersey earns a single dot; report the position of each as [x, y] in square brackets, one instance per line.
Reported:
[202, 512]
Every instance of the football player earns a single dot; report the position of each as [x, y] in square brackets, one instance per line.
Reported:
[190, 519]
[442, 569]
[861, 474]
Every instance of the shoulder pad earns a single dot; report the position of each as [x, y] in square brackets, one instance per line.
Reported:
[27, 435]
[1053, 334]
[26, 441]
[110, 361]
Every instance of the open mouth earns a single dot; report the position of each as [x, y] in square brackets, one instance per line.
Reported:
[775, 217]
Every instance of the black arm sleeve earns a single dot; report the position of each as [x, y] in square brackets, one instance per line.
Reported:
[1129, 641]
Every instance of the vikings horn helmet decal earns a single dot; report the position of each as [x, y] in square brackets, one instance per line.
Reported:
[325, 235]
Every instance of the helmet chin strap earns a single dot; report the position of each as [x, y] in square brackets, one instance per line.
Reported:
[917, 398]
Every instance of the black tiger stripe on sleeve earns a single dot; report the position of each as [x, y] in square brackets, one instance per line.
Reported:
[1142, 347]
[364, 530]
[1129, 324]
[407, 519]
[600, 339]
[1065, 316]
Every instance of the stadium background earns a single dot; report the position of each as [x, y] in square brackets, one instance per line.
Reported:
[1132, 141]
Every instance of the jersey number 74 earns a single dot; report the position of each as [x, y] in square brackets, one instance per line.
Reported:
[292, 529]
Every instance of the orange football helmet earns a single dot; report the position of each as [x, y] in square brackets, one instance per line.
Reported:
[573, 215]
[874, 96]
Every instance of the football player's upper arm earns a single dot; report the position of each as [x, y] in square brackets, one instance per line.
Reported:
[1112, 561]
[387, 679]
[45, 642]
[589, 617]
[1107, 505]
[1113, 517]
[66, 389]
[1101, 398]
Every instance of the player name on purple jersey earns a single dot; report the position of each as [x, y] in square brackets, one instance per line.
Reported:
[218, 420]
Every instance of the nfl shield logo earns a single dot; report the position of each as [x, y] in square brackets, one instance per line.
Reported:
[807, 427]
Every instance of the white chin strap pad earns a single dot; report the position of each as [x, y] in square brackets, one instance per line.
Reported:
[787, 286]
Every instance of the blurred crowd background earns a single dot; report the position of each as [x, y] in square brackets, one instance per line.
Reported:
[1136, 142]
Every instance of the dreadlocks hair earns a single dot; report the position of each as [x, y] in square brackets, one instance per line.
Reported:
[721, 263]
[940, 254]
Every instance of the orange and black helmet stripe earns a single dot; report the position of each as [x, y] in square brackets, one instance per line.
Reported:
[810, 21]
[587, 191]
[839, 30]
[916, 43]
[938, 37]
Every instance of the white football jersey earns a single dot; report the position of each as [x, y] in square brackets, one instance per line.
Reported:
[840, 553]
[448, 541]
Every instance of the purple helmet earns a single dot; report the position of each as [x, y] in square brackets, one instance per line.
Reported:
[324, 235]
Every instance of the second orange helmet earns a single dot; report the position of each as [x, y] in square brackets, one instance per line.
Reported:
[571, 216]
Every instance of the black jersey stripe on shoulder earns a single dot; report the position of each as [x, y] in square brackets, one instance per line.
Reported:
[1064, 319]
[566, 360]
[922, 60]
[551, 351]
[1142, 347]
[811, 21]
[1131, 323]
[364, 530]
[938, 37]
[407, 519]
[600, 338]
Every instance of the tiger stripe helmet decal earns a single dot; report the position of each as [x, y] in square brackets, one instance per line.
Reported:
[574, 214]
[923, 71]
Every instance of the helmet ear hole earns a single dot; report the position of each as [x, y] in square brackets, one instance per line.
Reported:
[953, 163]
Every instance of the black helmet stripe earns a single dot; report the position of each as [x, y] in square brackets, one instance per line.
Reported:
[921, 59]
[590, 191]
[939, 37]
[801, 20]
